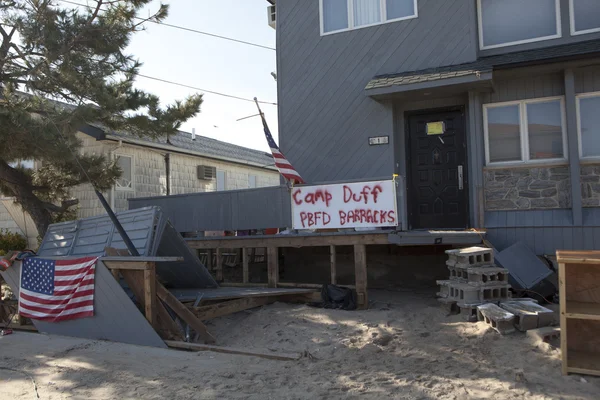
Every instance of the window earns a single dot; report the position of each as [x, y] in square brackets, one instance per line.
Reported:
[585, 16]
[221, 180]
[125, 182]
[588, 124]
[251, 181]
[343, 15]
[510, 22]
[525, 131]
[25, 164]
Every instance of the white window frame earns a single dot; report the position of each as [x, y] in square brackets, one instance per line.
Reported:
[572, 20]
[540, 39]
[524, 131]
[121, 188]
[351, 26]
[578, 108]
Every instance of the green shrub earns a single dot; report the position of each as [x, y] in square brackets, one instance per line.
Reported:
[11, 241]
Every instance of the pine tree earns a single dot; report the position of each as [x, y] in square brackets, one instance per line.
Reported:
[61, 68]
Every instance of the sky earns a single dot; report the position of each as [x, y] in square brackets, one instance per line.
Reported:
[213, 64]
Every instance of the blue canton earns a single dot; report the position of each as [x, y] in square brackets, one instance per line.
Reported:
[38, 275]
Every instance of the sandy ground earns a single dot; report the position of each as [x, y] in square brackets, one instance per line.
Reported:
[404, 347]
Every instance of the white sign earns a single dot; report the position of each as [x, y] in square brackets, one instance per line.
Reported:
[345, 205]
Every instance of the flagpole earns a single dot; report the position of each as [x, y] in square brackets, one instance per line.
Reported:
[258, 106]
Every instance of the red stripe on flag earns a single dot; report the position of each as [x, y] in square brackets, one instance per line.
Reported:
[38, 300]
[76, 261]
[59, 318]
[51, 311]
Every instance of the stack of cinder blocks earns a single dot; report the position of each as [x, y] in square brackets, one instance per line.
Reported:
[480, 290]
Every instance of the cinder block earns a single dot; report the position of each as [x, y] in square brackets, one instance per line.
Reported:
[458, 274]
[449, 305]
[545, 334]
[470, 257]
[528, 315]
[467, 294]
[444, 288]
[491, 275]
[501, 320]
[469, 311]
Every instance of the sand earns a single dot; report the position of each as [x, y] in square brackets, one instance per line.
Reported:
[404, 347]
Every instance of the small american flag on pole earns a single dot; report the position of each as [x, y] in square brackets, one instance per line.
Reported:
[282, 164]
[57, 290]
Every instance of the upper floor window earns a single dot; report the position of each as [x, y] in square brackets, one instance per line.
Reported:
[585, 16]
[343, 15]
[510, 22]
[525, 131]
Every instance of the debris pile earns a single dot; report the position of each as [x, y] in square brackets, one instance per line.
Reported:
[479, 289]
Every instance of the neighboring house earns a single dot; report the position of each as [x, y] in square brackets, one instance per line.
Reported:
[197, 164]
[489, 109]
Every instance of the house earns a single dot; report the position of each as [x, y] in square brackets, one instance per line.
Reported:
[488, 109]
[197, 164]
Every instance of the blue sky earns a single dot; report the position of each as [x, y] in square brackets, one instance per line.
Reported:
[214, 64]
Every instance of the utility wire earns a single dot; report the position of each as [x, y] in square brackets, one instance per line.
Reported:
[183, 28]
[203, 90]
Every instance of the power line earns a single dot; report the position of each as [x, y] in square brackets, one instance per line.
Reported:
[203, 90]
[183, 28]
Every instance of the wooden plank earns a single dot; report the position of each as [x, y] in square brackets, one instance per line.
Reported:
[219, 266]
[360, 272]
[115, 273]
[289, 241]
[579, 257]
[245, 266]
[242, 284]
[333, 263]
[563, 317]
[150, 294]
[183, 312]
[581, 310]
[127, 265]
[229, 350]
[273, 266]
[209, 258]
[230, 307]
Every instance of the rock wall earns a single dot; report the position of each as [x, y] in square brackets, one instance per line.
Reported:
[590, 185]
[528, 188]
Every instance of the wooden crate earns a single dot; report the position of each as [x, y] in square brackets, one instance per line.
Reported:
[579, 277]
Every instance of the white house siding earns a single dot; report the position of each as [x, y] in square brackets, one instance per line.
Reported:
[150, 176]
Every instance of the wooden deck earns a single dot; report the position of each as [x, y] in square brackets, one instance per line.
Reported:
[359, 240]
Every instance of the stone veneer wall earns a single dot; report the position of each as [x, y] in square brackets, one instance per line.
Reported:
[528, 188]
[590, 185]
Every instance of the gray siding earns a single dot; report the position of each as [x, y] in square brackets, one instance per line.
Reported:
[526, 87]
[547, 240]
[325, 119]
[587, 79]
[565, 39]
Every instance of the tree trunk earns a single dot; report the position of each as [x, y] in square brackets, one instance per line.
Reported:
[19, 186]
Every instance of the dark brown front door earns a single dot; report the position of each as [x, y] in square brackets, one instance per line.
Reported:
[437, 170]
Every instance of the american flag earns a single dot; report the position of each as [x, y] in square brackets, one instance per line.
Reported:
[282, 164]
[57, 290]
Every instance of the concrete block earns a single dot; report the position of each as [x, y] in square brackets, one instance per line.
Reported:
[545, 334]
[449, 305]
[473, 295]
[490, 275]
[458, 274]
[499, 319]
[472, 256]
[528, 315]
[469, 311]
[444, 288]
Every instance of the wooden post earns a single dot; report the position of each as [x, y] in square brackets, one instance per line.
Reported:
[219, 266]
[273, 266]
[115, 273]
[563, 316]
[332, 259]
[245, 266]
[209, 259]
[360, 273]
[150, 293]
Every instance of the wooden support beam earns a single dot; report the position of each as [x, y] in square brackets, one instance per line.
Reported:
[127, 265]
[273, 266]
[183, 312]
[209, 259]
[360, 273]
[245, 266]
[230, 307]
[219, 266]
[229, 350]
[234, 242]
[115, 273]
[333, 262]
[150, 294]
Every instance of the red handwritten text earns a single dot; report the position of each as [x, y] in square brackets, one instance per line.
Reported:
[363, 196]
[309, 219]
[367, 216]
[312, 198]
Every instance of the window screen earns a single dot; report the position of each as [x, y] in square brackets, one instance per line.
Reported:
[586, 15]
[335, 15]
[504, 133]
[589, 126]
[400, 8]
[126, 179]
[544, 126]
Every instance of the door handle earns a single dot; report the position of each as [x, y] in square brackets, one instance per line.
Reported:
[460, 177]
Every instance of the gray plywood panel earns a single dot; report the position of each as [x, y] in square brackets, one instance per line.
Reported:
[546, 240]
[536, 218]
[116, 318]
